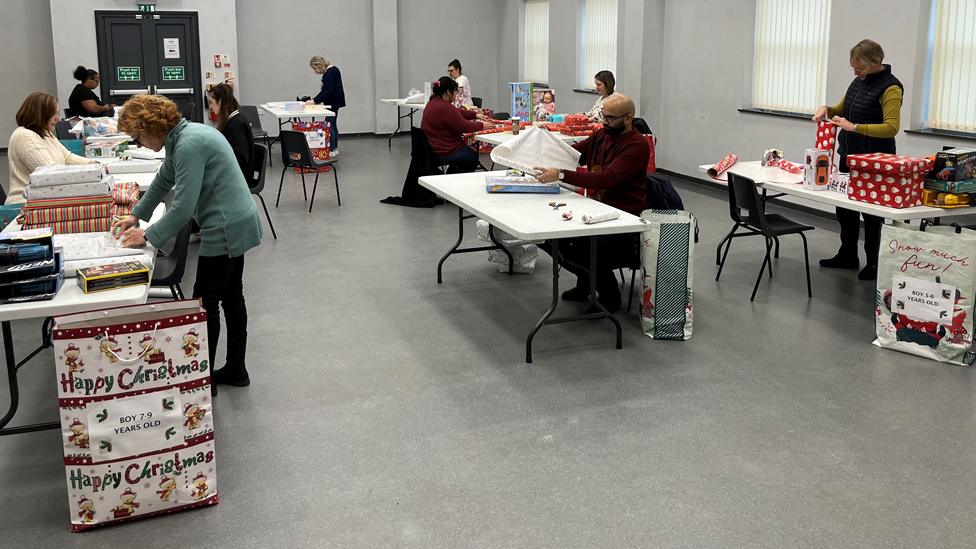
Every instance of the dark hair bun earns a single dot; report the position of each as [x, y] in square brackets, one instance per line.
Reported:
[81, 73]
[436, 86]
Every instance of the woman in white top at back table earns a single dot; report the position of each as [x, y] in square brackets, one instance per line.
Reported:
[604, 84]
[462, 99]
[33, 143]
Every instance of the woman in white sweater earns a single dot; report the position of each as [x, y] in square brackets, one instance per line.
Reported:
[603, 83]
[33, 143]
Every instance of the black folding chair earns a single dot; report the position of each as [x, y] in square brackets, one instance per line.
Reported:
[250, 113]
[171, 263]
[256, 182]
[477, 102]
[743, 195]
[296, 154]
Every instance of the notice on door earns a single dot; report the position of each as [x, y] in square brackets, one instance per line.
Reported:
[174, 72]
[128, 73]
[171, 48]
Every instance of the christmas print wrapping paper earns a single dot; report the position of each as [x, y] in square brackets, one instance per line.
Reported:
[826, 138]
[894, 191]
[925, 294]
[723, 165]
[136, 412]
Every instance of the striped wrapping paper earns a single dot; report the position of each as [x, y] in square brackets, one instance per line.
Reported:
[102, 224]
[126, 193]
[122, 210]
[47, 203]
[66, 213]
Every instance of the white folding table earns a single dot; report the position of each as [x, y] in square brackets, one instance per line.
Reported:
[277, 110]
[529, 217]
[401, 104]
[69, 299]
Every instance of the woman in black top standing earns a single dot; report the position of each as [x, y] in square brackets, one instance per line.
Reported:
[234, 126]
[83, 101]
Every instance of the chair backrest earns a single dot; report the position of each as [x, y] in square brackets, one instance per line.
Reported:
[62, 130]
[743, 195]
[256, 181]
[186, 109]
[169, 269]
[477, 102]
[501, 116]
[250, 113]
[294, 149]
[641, 126]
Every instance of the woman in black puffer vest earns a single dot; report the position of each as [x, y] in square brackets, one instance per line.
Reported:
[869, 116]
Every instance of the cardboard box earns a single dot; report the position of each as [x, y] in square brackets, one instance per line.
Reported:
[110, 277]
[955, 187]
[955, 165]
[816, 169]
[894, 191]
[888, 164]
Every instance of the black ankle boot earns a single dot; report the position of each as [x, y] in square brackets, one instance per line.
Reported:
[840, 262]
[869, 272]
[226, 376]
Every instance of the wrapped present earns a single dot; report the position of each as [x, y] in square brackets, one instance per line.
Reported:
[576, 120]
[63, 174]
[894, 191]
[42, 217]
[826, 137]
[108, 149]
[95, 188]
[125, 193]
[47, 203]
[883, 163]
[99, 225]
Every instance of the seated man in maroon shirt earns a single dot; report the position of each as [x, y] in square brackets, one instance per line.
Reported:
[616, 160]
[444, 124]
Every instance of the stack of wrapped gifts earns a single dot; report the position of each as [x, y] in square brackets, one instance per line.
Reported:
[30, 267]
[75, 199]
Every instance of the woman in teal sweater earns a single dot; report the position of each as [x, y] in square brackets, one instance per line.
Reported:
[208, 187]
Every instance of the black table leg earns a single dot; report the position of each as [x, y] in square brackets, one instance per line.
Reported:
[12, 367]
[456, 250]
[601, 310]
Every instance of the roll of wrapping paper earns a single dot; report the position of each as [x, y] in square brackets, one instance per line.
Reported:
[721, 167]
[590, 219]
[790, 166]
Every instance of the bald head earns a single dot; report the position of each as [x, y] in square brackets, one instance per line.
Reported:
[618, 113]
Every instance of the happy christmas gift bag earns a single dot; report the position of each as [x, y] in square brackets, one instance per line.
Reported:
[136, 411]
[667, 259]
[925, 295]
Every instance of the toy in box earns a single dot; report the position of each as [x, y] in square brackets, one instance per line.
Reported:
[514, 181]
[109, 149]
[956, 164]
[543, 104]
[110, 277]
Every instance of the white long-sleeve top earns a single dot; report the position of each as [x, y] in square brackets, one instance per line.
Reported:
[596, 113]
[27, 151]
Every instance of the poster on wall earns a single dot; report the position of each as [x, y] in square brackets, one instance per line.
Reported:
[136, 412]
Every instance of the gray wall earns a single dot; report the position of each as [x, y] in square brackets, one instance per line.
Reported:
[28, 58]
[72, 24]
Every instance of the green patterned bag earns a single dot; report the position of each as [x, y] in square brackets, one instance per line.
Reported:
[667, 256]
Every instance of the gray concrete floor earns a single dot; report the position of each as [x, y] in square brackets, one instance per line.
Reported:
[389, 411]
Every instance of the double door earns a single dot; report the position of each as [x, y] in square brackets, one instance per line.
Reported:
[152, 52]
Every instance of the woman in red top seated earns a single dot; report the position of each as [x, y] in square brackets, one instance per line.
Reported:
[444, 124]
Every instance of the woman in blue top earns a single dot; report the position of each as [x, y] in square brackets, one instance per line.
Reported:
[331, 94]
[207, 185]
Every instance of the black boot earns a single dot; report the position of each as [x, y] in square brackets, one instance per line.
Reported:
[840, 262]
[869, 272]
[231, 376]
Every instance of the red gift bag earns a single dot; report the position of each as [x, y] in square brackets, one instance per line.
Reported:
[318, 136]
[651, 163]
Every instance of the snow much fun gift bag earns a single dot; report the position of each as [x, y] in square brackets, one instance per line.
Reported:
[925, 295]
[136, 412]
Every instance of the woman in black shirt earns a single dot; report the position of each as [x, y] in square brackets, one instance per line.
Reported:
[83, 101]
[234, 126]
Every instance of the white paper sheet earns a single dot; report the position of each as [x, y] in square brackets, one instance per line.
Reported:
[535, 147]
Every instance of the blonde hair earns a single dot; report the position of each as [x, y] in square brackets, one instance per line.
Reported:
[868, 51]
[152, 114]
[319, 62]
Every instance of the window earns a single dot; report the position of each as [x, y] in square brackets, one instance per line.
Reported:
[536, 62]
[951, 99]
[598, 50]
[789, 63]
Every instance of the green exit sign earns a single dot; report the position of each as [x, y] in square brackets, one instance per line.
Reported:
[146, 7]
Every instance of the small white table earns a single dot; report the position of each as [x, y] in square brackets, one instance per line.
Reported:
[69, 299]
[401, 104]
[277, 110]
[529, 217]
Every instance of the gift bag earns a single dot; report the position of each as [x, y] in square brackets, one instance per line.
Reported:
[651, 162]
[136, 411]
[317, 134]
[667, 259]
[925, 294]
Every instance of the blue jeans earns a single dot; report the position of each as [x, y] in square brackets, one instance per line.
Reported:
[333, 132]
[463, 160]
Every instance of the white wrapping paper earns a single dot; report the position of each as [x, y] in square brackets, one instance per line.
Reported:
[535, 147]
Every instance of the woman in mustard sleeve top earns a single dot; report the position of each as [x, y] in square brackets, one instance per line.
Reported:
[868, 116]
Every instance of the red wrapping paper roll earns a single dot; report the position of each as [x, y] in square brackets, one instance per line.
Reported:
[723, 165]
[789, 166]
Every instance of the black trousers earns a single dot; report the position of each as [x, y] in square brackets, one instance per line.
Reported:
[612, 252]
[850, 229]
[463, 160]
[220, 281]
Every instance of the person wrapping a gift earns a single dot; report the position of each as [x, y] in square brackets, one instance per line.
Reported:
[207, 185]
[868, 116]
[616, 160]
[445, 126]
